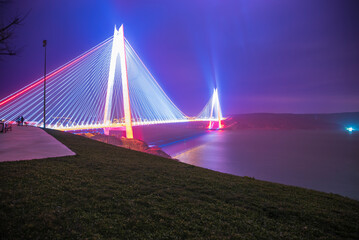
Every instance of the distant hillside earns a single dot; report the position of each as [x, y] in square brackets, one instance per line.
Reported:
[293, 121]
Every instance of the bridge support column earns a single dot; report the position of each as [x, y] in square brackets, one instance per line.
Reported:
[215, 105]
[219, 111]
[111, 77]
[210, 116]
[125, 91]
[118, 50]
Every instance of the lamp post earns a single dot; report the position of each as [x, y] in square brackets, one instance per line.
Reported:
[44, 43]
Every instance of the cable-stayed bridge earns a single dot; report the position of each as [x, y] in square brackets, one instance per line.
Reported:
[107, 86]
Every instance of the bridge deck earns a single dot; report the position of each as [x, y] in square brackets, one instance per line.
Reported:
[119, 125]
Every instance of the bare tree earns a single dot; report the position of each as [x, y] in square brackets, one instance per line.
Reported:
[7, 31]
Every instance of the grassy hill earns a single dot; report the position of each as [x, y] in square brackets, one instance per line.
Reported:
[110, 192]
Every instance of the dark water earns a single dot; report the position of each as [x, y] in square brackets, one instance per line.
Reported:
[324, 160]
[317, 159]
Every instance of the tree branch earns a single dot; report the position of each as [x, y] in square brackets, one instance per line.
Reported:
[7, 32]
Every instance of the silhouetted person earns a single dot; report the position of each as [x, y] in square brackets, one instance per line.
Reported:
[22, 121]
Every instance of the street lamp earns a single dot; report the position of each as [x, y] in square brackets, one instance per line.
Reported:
[44, 43]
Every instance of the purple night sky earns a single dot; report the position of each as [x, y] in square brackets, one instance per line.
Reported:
[264, 55]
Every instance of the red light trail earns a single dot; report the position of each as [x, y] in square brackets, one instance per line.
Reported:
[52, 74]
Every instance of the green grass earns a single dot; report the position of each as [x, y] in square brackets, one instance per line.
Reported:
[109, 192]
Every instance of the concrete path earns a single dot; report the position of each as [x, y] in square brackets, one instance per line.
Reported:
[27, 143]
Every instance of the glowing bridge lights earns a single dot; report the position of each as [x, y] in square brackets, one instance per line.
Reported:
[107, 86]
[212, 112]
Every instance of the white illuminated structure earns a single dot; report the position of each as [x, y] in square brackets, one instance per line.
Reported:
[106, 86]
[212, 111]
[118, 51]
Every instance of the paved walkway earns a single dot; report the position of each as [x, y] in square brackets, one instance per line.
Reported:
[27, 143]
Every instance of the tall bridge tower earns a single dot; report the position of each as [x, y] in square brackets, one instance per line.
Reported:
[215, 109]
[118, 51]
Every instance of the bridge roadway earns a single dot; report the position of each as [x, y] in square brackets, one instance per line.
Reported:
[119, 125]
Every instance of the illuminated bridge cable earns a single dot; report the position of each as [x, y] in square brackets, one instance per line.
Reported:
[149, 103]
[73, 92]
[212, 111]
[80, 91]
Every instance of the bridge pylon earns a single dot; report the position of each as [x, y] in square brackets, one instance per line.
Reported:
[215, 110]
[118, 51]
[212, 111]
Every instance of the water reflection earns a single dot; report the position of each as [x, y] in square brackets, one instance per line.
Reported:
[322, 160]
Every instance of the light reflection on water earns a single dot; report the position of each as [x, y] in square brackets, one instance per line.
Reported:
[317, 159]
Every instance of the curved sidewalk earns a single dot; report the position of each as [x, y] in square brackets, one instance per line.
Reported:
[27, 143]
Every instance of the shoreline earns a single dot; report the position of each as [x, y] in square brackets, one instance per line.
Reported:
[133, 144]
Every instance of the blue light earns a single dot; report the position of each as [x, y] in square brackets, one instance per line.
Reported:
[350, 129]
